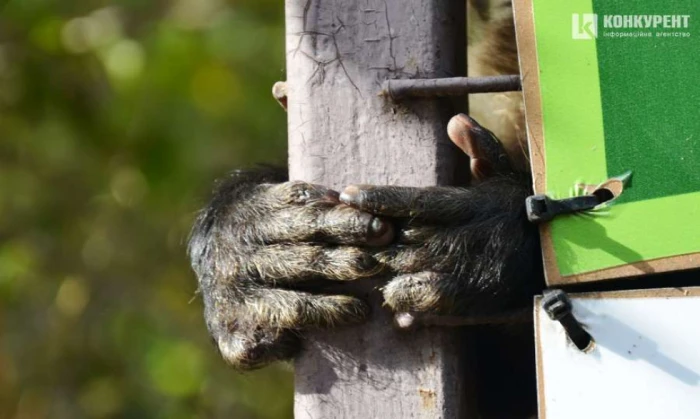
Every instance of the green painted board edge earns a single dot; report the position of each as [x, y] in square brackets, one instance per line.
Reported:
[625, 234]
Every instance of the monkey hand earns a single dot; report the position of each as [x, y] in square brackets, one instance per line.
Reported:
[461, 253]
[256, 245]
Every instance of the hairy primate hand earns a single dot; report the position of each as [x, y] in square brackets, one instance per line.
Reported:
[460, 252]
[266, 251]
[262, 239]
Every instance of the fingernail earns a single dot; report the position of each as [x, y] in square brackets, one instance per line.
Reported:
[350, 194]
[466, 120]
[459, 129]
[380, 232]
[377, 227]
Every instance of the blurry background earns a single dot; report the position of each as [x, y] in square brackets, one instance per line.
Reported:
[115, 118]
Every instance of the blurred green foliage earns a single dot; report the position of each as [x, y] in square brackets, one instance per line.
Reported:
[115, 118]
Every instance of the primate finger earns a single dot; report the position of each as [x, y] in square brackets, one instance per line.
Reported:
[413, 259]
[440, 205]
[265, 326]
[294, 212]
[436, 204]
[283, 309]
[488, 156]
[426, 292]
[290, 264]
[343, 224]
[253, 347]
[339, 224]
[449, 294]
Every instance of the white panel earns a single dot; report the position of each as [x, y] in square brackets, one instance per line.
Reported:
[645, 364]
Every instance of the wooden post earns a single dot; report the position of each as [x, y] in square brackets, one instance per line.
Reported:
[341, 131]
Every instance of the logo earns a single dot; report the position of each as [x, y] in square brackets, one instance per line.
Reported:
[584, 26]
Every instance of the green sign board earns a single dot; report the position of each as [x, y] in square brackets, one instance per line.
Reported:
[613, 86]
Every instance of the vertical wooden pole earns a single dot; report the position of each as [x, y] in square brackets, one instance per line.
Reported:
[341, 132]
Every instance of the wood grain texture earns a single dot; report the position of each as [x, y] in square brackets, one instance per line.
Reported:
[342, 132]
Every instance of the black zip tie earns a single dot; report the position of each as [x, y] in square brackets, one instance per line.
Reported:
[541, 208]
[558, 306]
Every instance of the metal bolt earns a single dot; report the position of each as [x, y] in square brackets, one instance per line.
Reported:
[453, 86]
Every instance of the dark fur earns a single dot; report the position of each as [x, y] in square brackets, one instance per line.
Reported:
[459, 251]
[258, 235]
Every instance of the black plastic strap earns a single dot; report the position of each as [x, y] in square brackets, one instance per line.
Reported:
[541, 208]
[558, 307]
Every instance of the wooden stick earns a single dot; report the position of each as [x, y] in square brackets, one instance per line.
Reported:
[341, 132]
